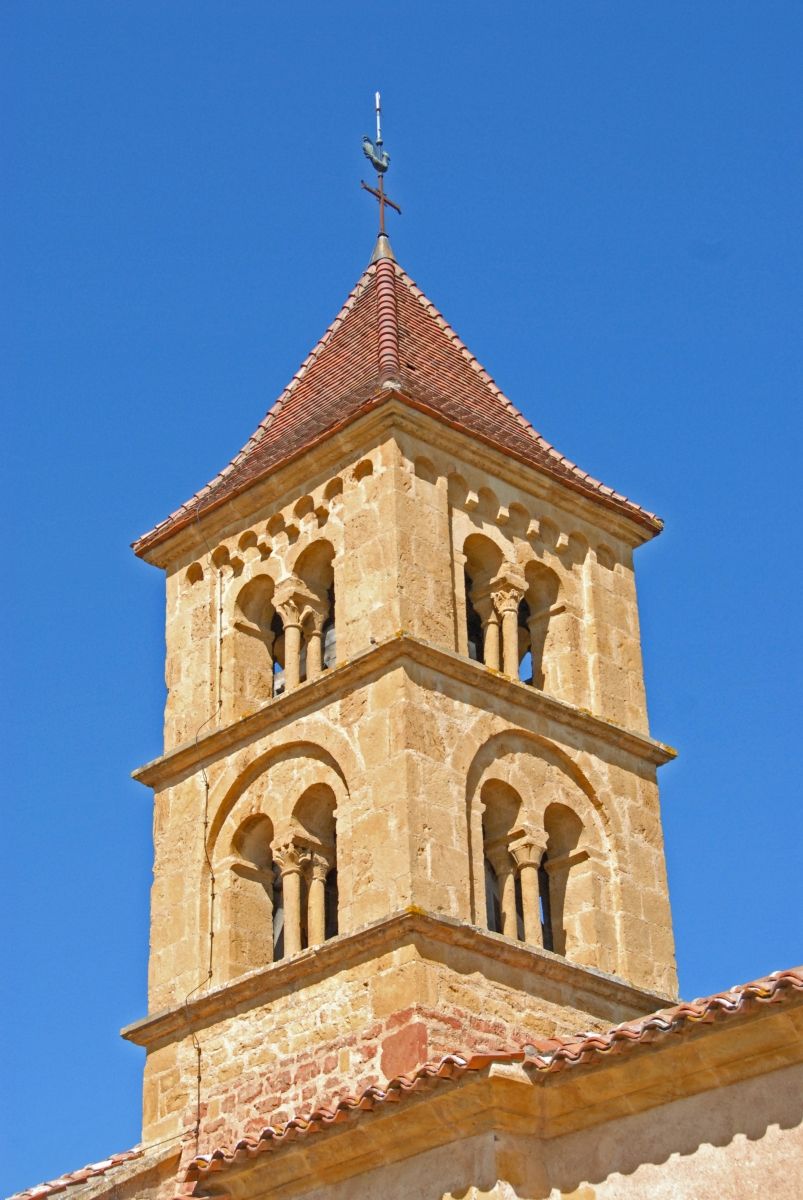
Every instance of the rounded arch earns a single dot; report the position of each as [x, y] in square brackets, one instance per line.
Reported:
[543, 586]
[487, 503]
[563, 828]
[314, 564]
[314, 813]
[425, 469]
[457, 488]
[501, 807]
[484, 556]
[519, 518]
[227, 808]
[252, 841]
[255, 601]
[517, 740]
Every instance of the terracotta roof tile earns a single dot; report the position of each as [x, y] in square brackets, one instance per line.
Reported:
[64, 1182]
[387, 328]
[543, 1057]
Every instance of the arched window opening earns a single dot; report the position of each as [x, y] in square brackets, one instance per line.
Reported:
[248, 921]
[483, 561]
[503, 901]
[564, 905]
[315, 815]
[278, 914]
[315, 572]
[543, 587]
[493, 910]
[546, 910]
[524, 640]
[475, 635]
[277, 631]
[248, 653]
[330, 904]
[329, 634]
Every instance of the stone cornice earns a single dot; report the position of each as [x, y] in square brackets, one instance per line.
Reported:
[409, 926]
[398, 651]
[389, 411]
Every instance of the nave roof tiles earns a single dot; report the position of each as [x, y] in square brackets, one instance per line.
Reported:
[543, 1057]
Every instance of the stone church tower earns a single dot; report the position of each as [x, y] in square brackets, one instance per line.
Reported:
[406, 828]
[408, 796]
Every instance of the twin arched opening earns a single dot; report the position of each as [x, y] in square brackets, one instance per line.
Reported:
[283, 633]
[510, 614]
[539, 854]
[275, 862]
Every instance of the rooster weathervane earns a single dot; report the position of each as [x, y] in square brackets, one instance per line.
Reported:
[379, 157]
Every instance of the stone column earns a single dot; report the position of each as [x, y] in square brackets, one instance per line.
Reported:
[314, 630]
[484, 606]
[291, 859]
[502, 863]
[507, 591]
[292, 654]
[292, 598]
[527, 853]
[316, 899]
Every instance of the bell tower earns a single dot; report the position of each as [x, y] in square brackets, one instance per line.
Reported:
[407, 803]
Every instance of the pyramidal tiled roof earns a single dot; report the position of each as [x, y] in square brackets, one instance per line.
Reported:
[387, 331]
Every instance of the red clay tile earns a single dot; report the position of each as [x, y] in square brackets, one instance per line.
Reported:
[387, 329]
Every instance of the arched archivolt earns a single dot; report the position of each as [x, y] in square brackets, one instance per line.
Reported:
[541, 774]
[508, 741]
[314, 763]
[528, 805]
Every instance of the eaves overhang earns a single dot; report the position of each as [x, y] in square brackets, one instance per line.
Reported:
[537, 1092]
[641, 525]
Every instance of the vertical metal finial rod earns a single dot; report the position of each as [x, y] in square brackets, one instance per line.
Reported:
[380, 160]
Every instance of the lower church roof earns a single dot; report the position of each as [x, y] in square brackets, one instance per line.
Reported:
[543, 1058]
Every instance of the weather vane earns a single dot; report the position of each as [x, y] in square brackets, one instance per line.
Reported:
[381, 161]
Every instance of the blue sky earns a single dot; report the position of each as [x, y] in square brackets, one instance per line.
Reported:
[604, 201]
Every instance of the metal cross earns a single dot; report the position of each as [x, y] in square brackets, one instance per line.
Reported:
[381, 160]
[384, 200]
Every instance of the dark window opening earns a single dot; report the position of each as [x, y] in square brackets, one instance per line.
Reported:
[519, 910]
[493, 910]
[278, 915]
[476, 637]
[329, 635]
[277, 629]
[330, 902]
[546, 911]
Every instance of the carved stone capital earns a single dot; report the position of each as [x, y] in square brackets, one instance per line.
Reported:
[291, 857]
[508, 589]
[527, 849]
[320, 864]
[292, 599]
[314, 616]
